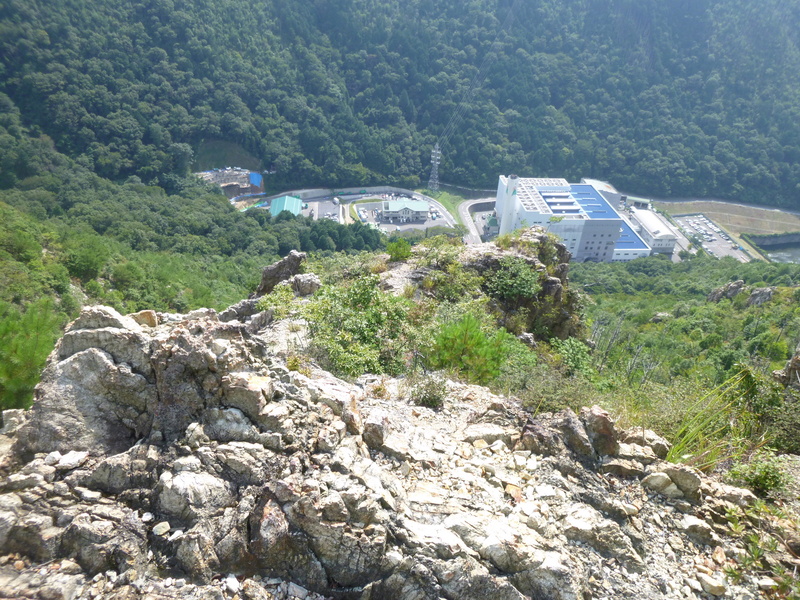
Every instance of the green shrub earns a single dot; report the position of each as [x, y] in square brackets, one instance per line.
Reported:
[359, 329]
[429, 391]
[398, 250]
[785, 427]
[514, 282]
[762, 474]
[466, 347]
[575, 355]
[280, 301]
[26, 338]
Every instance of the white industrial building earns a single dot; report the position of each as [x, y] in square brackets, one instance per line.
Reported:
[588, 225]
[654, 231]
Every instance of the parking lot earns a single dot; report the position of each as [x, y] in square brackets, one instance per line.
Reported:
[321, 209]
[712, 238]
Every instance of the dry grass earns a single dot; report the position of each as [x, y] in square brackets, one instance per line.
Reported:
[735, 218]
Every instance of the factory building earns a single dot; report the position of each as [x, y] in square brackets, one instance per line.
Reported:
[588, 225]
[654, 231]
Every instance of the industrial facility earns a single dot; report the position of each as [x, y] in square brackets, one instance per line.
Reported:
[589, 226]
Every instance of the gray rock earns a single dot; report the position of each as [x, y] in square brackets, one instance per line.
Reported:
[191, 496]
[686, 478]
[72, 460]
[305, 284]
[87, 402]
[376, 428]
[711, 585]
[621, 467]
[279, 271]
[698, 530]
[161, 528]
[601, 429]
[583, 523]
[661, 483]
[240, 311]
[13, 419]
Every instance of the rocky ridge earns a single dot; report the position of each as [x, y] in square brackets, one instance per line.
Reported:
[176, 455]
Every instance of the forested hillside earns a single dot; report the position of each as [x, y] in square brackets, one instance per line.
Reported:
[69, 236]
[663, 98]
[104, 108]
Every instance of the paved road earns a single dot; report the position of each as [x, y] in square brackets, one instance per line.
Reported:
[474, 236]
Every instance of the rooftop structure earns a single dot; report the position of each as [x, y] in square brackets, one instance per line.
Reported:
[654, 231]
[405, 210]
[578, 213]
[290, 203]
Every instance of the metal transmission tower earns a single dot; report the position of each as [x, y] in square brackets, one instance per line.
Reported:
[436, 158]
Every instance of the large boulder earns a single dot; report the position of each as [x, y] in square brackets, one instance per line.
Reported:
[281, 270]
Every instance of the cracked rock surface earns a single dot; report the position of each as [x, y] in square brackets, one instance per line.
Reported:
[177, 456]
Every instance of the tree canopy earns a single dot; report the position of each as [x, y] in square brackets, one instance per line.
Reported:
[662, 98]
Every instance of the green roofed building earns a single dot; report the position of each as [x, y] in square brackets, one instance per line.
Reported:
[290, 203]
[405, 210]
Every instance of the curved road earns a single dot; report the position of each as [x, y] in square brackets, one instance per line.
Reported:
[473, 236]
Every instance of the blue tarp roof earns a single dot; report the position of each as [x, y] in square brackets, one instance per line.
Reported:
[256, 179]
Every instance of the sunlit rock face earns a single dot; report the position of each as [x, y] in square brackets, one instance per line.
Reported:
[177, 456]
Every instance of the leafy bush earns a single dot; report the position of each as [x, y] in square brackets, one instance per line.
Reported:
[399, 249]
[452, 284]
[359, 329]
[762, 474]
[574, 354]
[429, 391]
[514, 282]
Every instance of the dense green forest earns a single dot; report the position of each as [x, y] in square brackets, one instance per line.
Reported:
[691, 97]
[69, 237]
[104, 108]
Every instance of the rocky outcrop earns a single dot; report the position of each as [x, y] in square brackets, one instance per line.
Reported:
[729, 291]
[185, 460]
[279, 271]
[789, 376]
[555, 307]
[759, 296]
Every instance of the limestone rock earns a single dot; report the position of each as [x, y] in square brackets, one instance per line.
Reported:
[178, 460]
[585, 524]
[305, 284]
[601, 429]
[661, 483]
[711, 585]
[649, 439]
[279, 271]
[686, 478]
[148, 318]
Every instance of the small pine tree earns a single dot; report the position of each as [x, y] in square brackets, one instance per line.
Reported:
[464, 346]
[398, 250]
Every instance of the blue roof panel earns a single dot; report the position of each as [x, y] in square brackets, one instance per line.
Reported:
[629, 239]
[593, 204]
